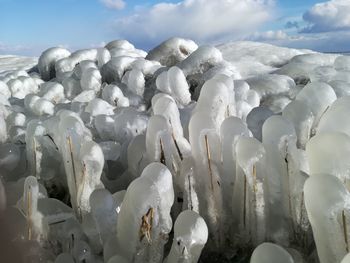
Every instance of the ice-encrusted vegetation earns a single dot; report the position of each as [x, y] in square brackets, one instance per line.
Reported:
[186, 153]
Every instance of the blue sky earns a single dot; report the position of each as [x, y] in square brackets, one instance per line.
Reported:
[27, 27]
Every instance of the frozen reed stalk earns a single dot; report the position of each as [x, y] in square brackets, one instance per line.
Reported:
[213, 100]
[177, 147]
[319, 96]
[29, 213]
[90, 167]
[144, 219]
[74, 186]
[165, 106]
[326, 201]
[279, 140]
[206, 152]
[35, 230]
[249, 204]
[35, 159]
[162, 155]
[209, 162]
[35, 130]
[345, 230]
[83, 161]
[158, 140]
[231, 130]
[188, 185]
[190, 236]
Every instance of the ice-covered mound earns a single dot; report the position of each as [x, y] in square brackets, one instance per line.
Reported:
[185, 154]
[11, 63]
[253, 58]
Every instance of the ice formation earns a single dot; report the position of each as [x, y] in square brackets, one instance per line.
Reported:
[270, 253]
[186, 153]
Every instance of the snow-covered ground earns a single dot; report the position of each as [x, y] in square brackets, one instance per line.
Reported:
[9, 63]
[253, 58]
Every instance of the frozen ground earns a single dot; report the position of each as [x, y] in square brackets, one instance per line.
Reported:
[187, 153]
[10, 63]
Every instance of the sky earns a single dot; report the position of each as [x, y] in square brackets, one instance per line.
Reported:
[28, 27]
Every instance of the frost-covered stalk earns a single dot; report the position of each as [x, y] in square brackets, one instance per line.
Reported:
[278, 139]
[35, 129]
[270, 253]
[178, 148]
[319, 96]
[103, 210]
[302, 118]
[188, 183]
[229, 83]
[35, 229]
[206, 152]
[190, 236]
[166, 106]
[158, 140]
[213, 100]
[299, 223]
[144, 221]
[91, 165]
[249, 198]
[327, 205]
[231, 130]
[83, 162]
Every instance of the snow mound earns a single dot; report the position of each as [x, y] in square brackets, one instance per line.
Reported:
[252, 58]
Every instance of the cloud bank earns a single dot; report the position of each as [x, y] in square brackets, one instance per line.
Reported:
[330, 16]
[201, 20]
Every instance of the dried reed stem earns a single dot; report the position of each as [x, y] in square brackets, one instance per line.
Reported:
[209, 162]
[177, 147]
[29, 213]
[244, 200]
[345, 231]
[162, 155]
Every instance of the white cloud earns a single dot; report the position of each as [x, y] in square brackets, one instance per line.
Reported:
[114, 4]
[201, 20]
[330, 16]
